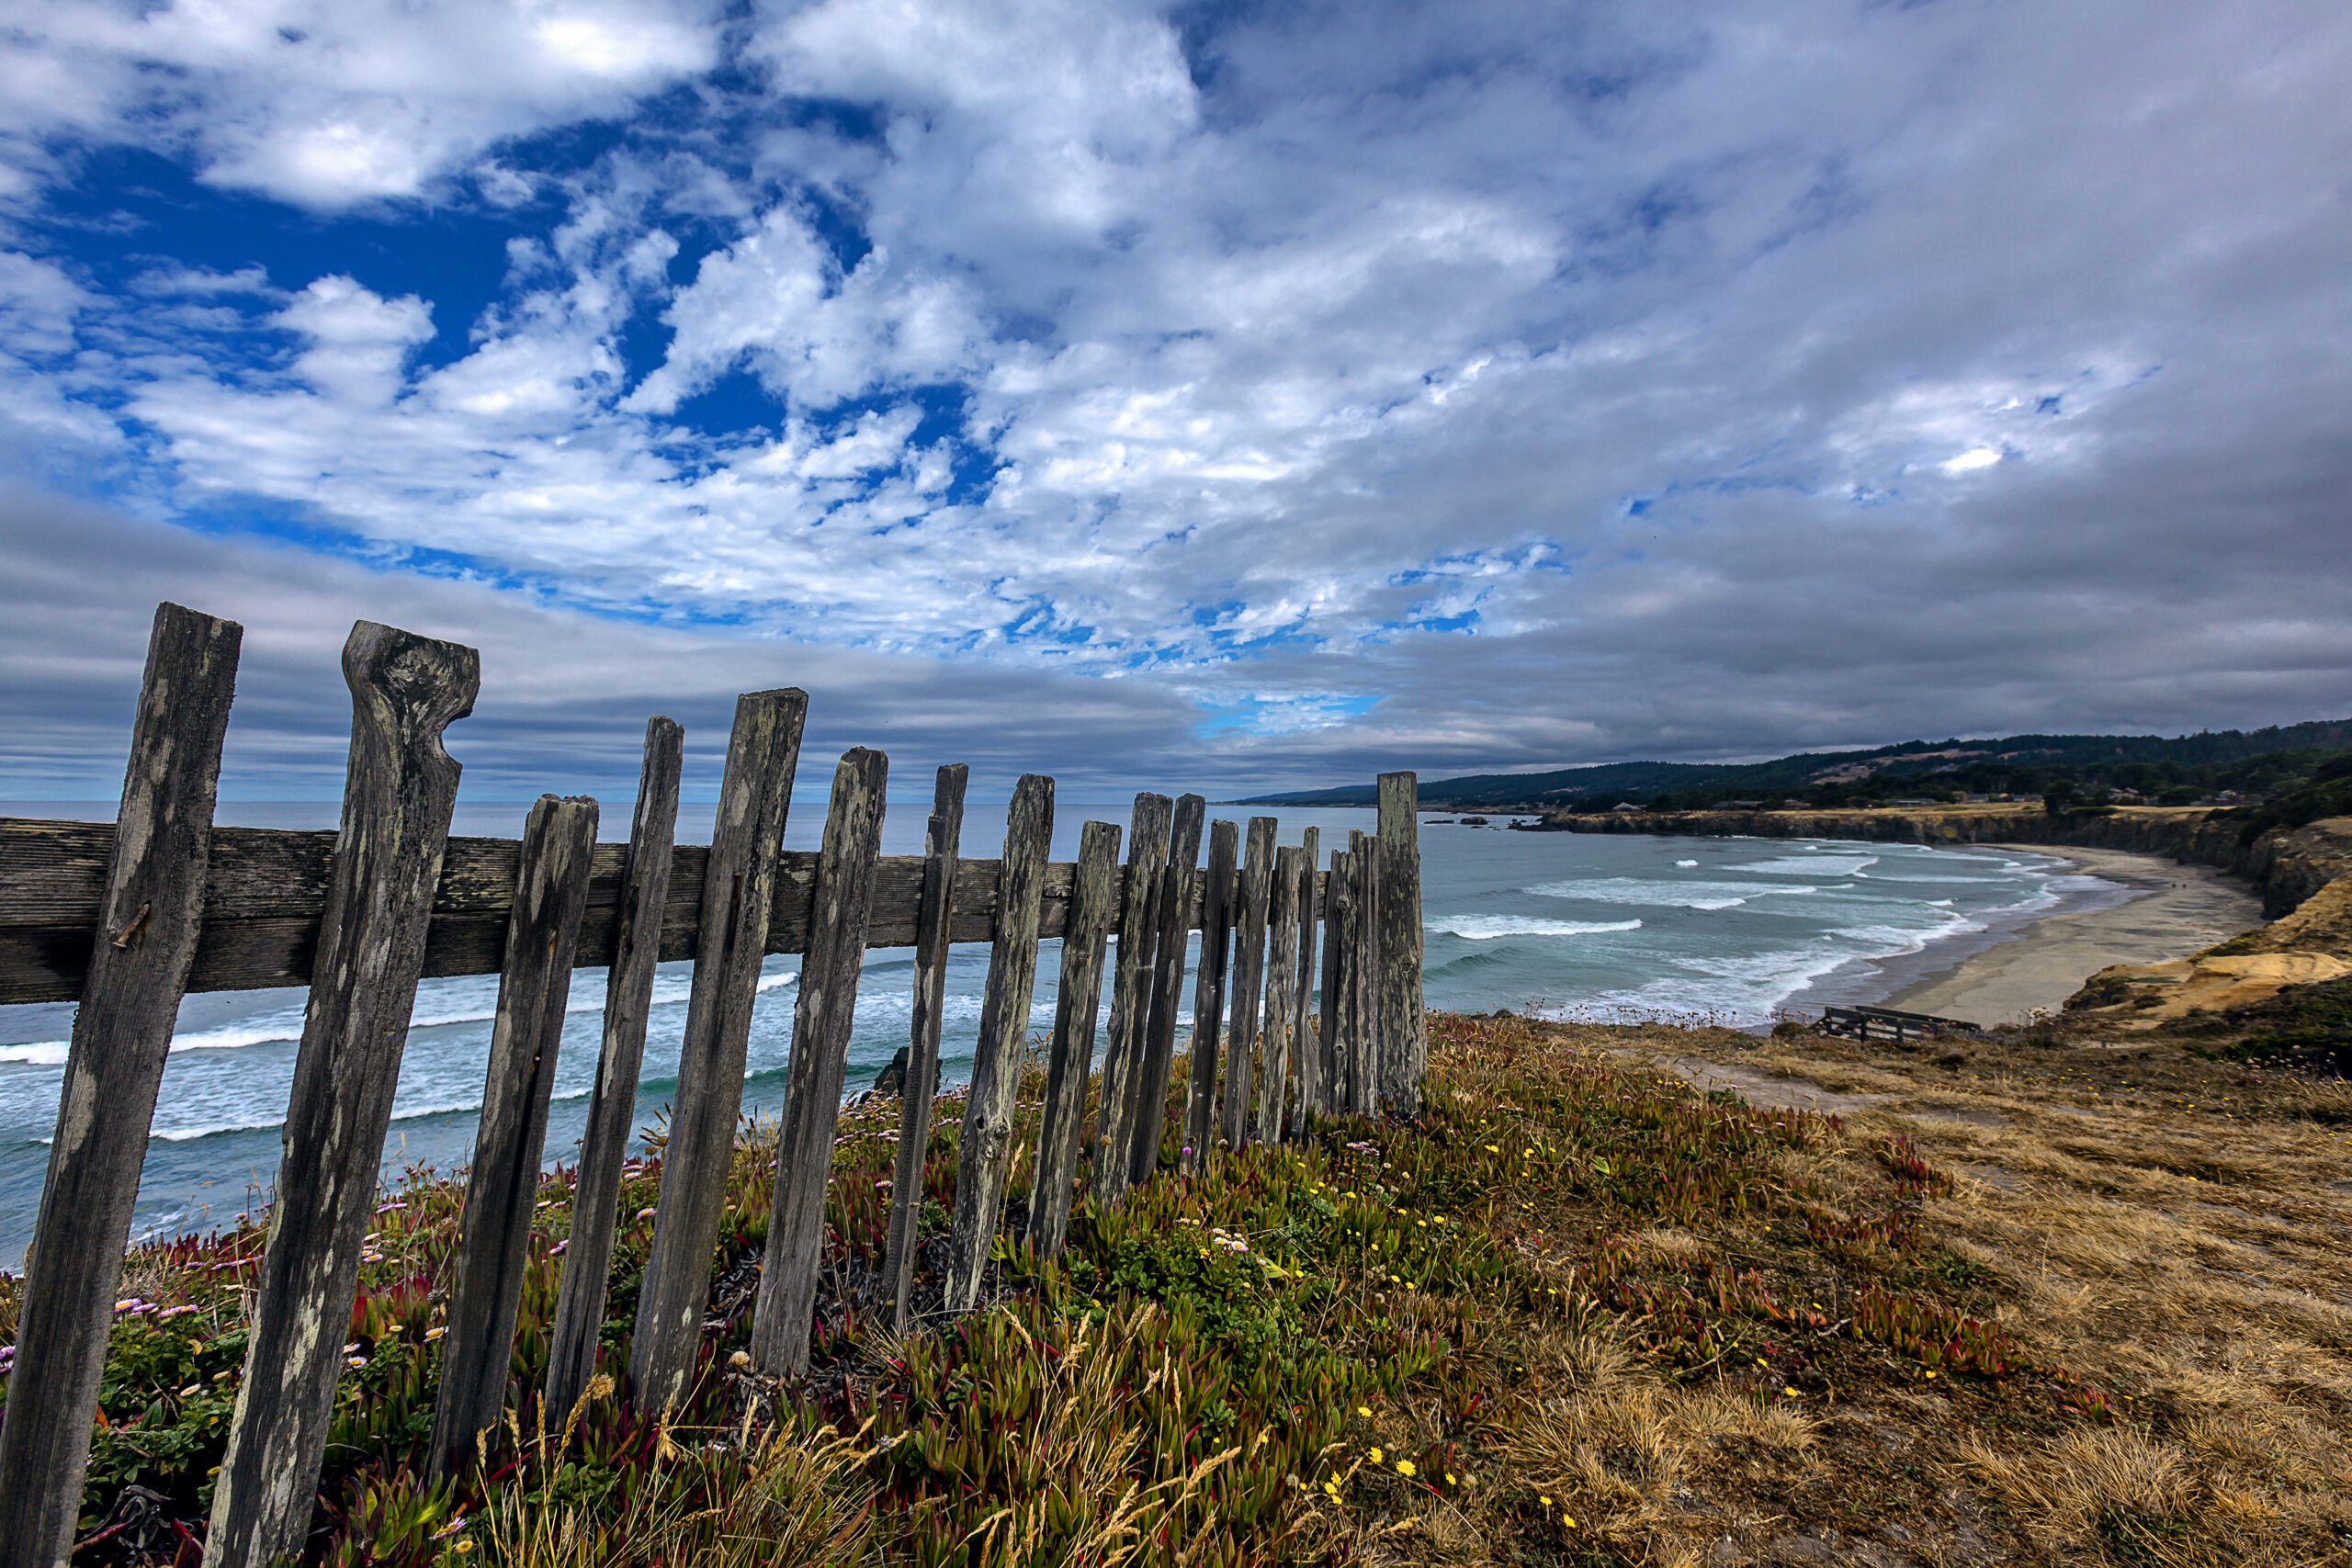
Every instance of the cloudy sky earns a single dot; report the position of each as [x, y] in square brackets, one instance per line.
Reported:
[1225, 395]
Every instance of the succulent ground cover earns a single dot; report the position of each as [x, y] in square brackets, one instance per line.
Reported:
[2023, 1300]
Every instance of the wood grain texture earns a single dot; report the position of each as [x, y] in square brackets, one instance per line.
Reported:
[612, 1106]
[984, 1151]
[941, 841]
[1130, 992]
[267, 891]
[1403, 1030]
[739, 894]
[1070, 1060]
[494, 1244]
[1281, 994]
[142, 933]
[1357, 990]
[824, 1008]
[1338, 901]
[1248, 974]
[1306, 1050]
[398, 791]
[1177, 896]
[1209, 995]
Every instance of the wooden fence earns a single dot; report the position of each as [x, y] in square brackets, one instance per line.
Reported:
[126, 918]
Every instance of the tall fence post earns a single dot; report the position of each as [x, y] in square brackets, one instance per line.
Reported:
[139, 964]
[739, 891]
[985, 1149]
[935, 915]
[1339, 906]
[1248, 976]
[1166, 985]
[399, 792]
[494, 1248]
[822, 1013]
[612, 1108]
[1404, 1031]
[1130, 993]
[1357, 992]
[1307, 1048]
[1084, 930]
[1209, 995]
[1281, 995]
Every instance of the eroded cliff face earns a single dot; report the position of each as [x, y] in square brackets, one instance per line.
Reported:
[2286, 867]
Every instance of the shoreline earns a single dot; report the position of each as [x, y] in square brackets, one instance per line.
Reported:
[2172, 911]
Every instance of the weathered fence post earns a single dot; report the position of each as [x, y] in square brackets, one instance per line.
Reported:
[1130, 994]
[738, 892]
[822, 1013]
[138, 965]
[1360, 964]
[398, 791]
[1281, 994]
[1308, 1054]
[494, 1245]
[1209, 995]
[935, 915]
[1339, 906]
[1404, 1031]
[1166, 985]
[1084, 929]
[612, 1109]
[985, 1149]
[1248, 976]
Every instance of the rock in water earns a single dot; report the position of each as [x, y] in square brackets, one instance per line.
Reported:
[892, 1079]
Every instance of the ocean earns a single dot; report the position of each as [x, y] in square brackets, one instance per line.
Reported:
[1727, 930]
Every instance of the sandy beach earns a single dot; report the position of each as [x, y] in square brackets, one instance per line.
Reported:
[2179, 909]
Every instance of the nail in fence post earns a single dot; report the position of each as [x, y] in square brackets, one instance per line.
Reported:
[1248, 974]
[1403, 1026]
[139, 966]
[1281, 993]
[1339, 902]
[1308, 1052]
[494, 1248]
[933, 919]
[739, 889]
[398, 791]
[1130, 994]
[1166, 985]
[823, 1009]
[1081, 993]
[1208, 994]
[985, 1149]
[611, 1109]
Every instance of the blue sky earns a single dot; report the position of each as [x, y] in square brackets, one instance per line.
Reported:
[1225, 395]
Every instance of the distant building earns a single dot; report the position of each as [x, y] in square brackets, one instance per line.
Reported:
[1624, 805]
[1743, 805]
[1913, 800]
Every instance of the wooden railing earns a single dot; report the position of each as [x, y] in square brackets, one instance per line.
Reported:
[126, 918]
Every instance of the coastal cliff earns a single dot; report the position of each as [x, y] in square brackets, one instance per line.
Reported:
[2286, 866]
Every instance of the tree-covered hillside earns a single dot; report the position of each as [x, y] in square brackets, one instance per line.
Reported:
[2180, 769]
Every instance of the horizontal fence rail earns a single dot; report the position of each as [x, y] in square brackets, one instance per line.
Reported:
[267, 890]
[125, 918]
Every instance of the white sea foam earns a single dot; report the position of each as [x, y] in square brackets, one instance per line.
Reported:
[1809, 865]
[40, 1053]
[1665, 894]
[1486, 928]
[1685, 864]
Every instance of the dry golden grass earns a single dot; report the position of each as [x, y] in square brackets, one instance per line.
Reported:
[2172, 1228]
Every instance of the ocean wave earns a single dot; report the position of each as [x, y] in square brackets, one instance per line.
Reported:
[1487, 928]
[39, 1053]
[1665, 895]
[1809, 865]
